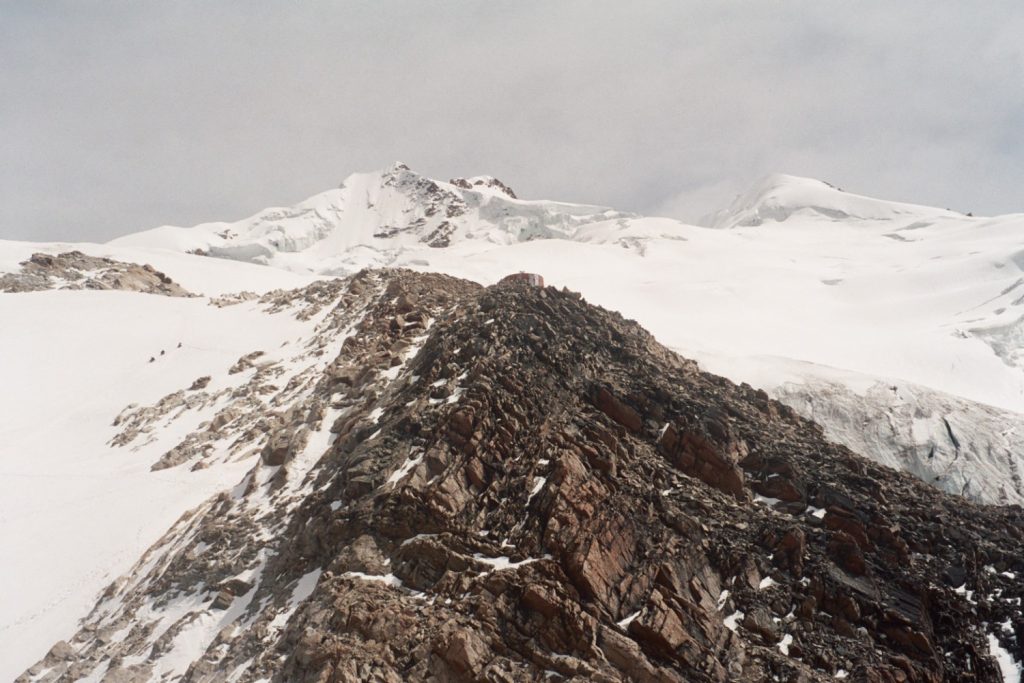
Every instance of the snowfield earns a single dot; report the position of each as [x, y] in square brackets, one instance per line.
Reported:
[76, 513]
[897, 326]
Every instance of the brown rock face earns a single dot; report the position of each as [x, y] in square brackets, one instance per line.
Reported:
[466, 653]
[617, 410]
[697, 454]
[545, 493]
[844, 549]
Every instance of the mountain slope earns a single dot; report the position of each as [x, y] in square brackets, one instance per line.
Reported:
[802, 283]
[894, 328]
[75, 511]
[511, 484]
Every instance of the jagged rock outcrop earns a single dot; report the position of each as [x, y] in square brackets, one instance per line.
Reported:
[75, 270]
[509, 484]
[483, 181]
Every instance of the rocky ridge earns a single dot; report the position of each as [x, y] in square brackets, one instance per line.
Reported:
[75, 270]
[483, 181]
[511, 484]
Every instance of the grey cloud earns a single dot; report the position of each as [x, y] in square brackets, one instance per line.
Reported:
[122, 116]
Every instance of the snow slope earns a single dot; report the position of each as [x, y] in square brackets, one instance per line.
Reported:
[76, 513]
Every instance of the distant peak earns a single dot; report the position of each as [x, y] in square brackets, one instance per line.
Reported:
[396, 172]
[777, 197]
[779, 180]
[485, 181]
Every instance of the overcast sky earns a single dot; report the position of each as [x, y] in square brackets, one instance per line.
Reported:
[116, 117]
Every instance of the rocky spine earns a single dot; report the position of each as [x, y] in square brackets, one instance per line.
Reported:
[509, 484]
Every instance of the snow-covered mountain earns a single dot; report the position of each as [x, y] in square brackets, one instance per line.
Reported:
[376, 219]
[777, 198]
[799, 283]
[895, 326]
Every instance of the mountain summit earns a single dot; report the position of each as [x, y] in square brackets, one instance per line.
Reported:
[775, 198]
[375, 218]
